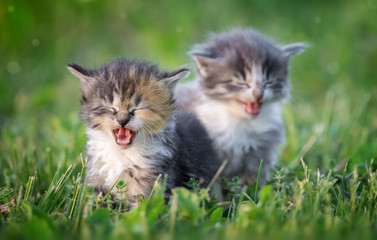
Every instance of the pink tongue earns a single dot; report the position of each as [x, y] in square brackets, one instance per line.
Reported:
[124, 136]
[252, 108]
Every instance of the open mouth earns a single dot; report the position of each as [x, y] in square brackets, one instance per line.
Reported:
[124, 136]
[252, 108]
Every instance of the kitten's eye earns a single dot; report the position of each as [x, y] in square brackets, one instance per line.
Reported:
[225, 81]
[234, 87]
[132, 112]
[241, 85]
[99, 111]
[112, 110]
[268, 83]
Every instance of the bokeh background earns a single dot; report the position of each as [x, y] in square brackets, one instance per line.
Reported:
[333, 83]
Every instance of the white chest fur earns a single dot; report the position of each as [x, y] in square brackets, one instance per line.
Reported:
[235, 132]
[108, 161]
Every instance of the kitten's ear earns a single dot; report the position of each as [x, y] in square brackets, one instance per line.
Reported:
[294, 49]
[80, 72]
[203, 61]
[173, 77]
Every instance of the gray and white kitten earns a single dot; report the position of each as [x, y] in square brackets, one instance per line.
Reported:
[135, 133]
[242, 81]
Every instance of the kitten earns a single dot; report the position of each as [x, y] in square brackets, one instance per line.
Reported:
[242, 81]
[135, 133]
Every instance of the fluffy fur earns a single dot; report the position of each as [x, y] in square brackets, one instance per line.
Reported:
[135, 133]
[242, 81]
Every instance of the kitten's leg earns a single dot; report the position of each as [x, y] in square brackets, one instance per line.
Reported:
[250, 175]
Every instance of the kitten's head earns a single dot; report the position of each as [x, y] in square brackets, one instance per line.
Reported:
[126, 99]
[243, 66]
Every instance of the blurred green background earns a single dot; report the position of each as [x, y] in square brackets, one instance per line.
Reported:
[331, 117]
[38, 39]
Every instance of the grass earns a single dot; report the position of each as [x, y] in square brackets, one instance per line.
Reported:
[43, 187]
[324, 185]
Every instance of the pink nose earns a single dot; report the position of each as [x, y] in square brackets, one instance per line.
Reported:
[257, 93]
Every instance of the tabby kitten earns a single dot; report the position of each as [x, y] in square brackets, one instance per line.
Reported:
[135, 133]
[242, 81]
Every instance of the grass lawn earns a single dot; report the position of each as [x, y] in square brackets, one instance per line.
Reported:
[324, 187]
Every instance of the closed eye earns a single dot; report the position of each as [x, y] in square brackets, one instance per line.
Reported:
[138, 109]
[276, 86]
[98, 111]
[112, 110]
[244, 84]
[225, 81]
[268, 83]
[239, 84]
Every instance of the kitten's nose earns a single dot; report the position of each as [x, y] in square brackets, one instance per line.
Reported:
[257, 93]
[124, 119]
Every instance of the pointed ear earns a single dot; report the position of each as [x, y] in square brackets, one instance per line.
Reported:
[294, 49]
[203, 61]
[85, 76]
[80, 72]
[173, 77]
